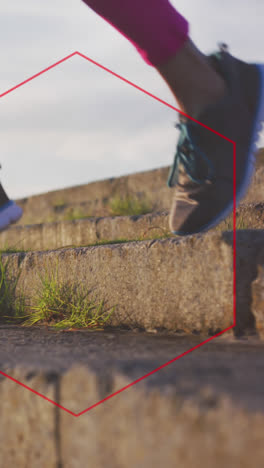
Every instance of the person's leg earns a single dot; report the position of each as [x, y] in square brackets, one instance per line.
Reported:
[154, 27]
[193, 81]
[161, 36]
[223, 93]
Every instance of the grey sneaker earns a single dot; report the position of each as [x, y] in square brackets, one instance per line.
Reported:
[9, 211]
[203, 166]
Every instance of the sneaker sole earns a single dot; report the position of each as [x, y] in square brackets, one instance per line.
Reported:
[9, 213]
[259, 117]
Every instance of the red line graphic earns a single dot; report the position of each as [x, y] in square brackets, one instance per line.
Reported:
[234, 234]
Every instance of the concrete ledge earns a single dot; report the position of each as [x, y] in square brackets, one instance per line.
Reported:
[148, 429]
[170, 284]
[173, 284]
[93, 198]
[258, 300]
[137, 428]
[91, 230]
[28, 433]
[84, 231]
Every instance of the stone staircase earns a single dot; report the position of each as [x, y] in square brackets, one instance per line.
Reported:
[151, 283]
[139, 427]
[87, 231]
[157, 290]
[169, 294]
[96, 199]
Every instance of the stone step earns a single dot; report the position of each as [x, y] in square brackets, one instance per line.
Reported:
[190, 403]
[83, 232]
[178, 285]
[95, 199]
[135, 354]
[92, 230]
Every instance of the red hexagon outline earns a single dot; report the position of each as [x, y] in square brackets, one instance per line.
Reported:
[234, 235]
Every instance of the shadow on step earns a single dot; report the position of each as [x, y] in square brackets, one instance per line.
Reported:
[249, 255]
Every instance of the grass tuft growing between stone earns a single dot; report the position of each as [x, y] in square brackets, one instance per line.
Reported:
[129, 206]
[74, 213]
[66, 305]
[11, 249]
[227, 224]
[12, 307]
[56, 304]
[58, 204]
[145, 237]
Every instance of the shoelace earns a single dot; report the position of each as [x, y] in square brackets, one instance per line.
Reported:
[189, 155]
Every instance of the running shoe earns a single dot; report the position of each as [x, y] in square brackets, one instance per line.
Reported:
[10, 212]
[202, 172]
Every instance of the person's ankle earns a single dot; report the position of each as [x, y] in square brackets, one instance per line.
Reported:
[197, 102]
[193, 81]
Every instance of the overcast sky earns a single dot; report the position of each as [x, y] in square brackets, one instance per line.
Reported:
[77, 123]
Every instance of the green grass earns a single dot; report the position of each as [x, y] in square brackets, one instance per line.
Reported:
[166, 235]
[66, 305]
[58, 204]
[12, 249]
[70, 215]
[129, 206]
[12, 307]
[74, 213]
[227, 225]
[60, 305]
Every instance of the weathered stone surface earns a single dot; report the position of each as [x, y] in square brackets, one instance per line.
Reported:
[248, 216]
[256, 190]
[231, 366]
[181, 284]
[90, 230]
[249, 253]
[84, 231]
[28, 426]
[93, 198]
[258, 300]
[173, 284]
[138, 428]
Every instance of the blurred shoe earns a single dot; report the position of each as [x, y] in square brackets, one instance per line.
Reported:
[9, 211]
[202, 172]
